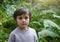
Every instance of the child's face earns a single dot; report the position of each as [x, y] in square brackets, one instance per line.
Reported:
[23, 21]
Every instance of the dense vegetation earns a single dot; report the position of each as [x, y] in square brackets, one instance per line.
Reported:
[45, 18]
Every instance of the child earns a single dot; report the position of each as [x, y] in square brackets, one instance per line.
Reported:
[22, 33]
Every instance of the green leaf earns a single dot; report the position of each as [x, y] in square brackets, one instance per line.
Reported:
[35, 22]
[49, 23]
[56, 16]
[10, 9]
[45, 33]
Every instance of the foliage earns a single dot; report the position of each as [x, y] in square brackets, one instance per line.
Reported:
[4, 33]
[45, 21]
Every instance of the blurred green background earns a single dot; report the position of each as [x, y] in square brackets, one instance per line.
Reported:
[45, 18]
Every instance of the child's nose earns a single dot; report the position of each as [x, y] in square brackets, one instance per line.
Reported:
[23, 19]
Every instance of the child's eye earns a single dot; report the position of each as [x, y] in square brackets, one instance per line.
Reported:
[20, 18]
[26, 17]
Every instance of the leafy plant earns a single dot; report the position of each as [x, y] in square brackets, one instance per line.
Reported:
[46, 21]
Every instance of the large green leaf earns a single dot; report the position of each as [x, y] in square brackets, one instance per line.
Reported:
[45, 33]
[10, 9]
[56, 16]
[49, 23]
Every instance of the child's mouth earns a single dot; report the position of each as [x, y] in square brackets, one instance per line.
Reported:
[23, 24]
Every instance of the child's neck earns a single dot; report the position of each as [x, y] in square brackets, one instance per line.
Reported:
[23, 28]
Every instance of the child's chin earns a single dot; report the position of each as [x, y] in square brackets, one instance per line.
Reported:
[23, 27]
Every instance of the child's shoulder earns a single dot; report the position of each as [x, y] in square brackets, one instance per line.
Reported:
[32, 29]
[14, 31]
